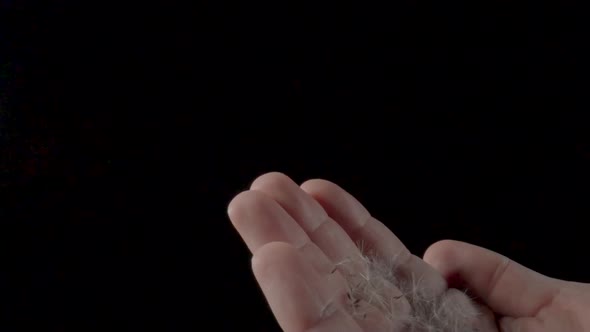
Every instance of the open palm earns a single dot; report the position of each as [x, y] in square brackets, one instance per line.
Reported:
[300, 235]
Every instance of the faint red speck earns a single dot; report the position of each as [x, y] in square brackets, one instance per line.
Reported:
[30, 167]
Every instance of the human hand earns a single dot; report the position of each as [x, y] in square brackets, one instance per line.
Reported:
[300, 236]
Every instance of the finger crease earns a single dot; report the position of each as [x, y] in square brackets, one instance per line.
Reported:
[358, 229]
[325, 220]
[498, 275]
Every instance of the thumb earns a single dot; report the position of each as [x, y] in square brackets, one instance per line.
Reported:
[507, 287]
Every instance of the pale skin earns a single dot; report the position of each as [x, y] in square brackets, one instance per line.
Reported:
[297, 234]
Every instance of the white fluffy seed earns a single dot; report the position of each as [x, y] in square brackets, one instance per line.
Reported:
[401, 301]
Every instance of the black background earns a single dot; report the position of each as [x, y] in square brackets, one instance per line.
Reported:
[127, 129]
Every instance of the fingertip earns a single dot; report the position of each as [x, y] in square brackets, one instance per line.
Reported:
[235, 202]
[244, 203]
[442, 254]
[315, 183]
[337, 202]
[271, 179]
[320, 187]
